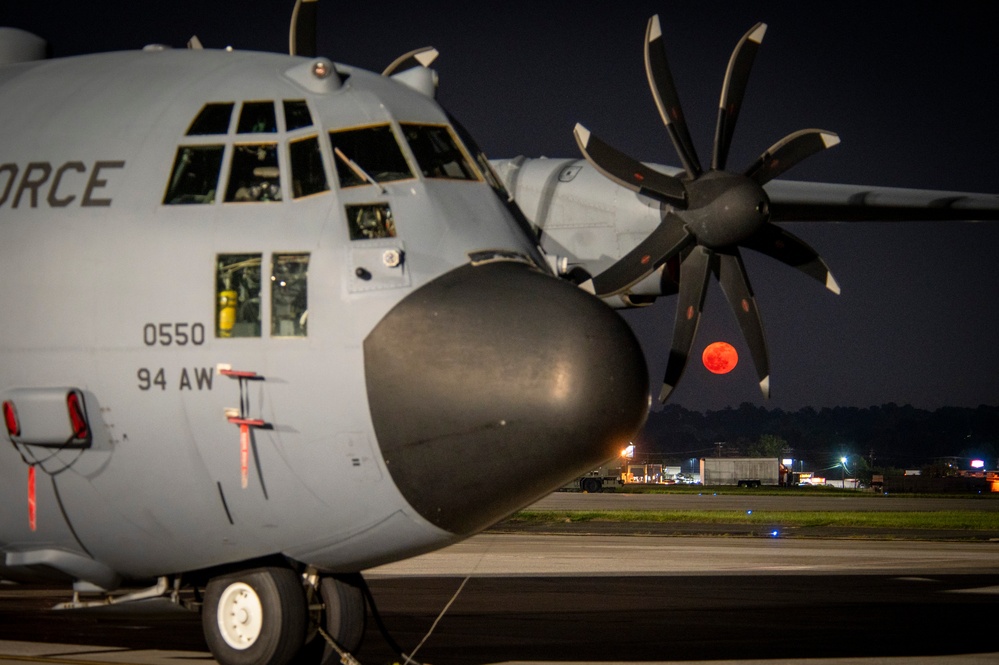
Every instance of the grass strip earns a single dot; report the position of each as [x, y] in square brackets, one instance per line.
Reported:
[944, 519]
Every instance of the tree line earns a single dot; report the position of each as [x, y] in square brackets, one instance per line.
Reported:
[886, 436]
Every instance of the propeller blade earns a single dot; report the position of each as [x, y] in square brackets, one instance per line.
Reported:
[302, 37]
[787, 152]
[628, 172]
[667, 99]
[694, 273]
[667, 240]
[731, 273]
[421, 57]
[787, 248]
[733, 91]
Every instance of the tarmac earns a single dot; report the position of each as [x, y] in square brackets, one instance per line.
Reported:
[611, 593]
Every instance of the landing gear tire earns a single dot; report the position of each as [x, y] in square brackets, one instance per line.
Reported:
[345, 613]
[255, 617]
[343, 619]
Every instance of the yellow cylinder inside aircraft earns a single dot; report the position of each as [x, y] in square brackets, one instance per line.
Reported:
[227, 312]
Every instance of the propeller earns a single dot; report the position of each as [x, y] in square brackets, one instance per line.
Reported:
[302, 35]
[708, 215]
[421, 57]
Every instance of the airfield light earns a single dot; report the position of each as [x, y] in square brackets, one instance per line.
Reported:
[975, 463]
[10, 418]
[720, 357]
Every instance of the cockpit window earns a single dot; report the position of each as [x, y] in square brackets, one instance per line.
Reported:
[290, 295]
[237, 295]
[307, 173]
[195, 175]
[213, 119]
[485, 168]
[296, 114]
[437, 152]
[369, 221]
[257, 118]
[368, 153]
[254, 175]
[259, 143]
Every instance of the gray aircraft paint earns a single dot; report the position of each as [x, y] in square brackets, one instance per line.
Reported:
[93, 260]
[159, 489]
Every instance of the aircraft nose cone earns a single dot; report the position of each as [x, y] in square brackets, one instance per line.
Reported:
[495, 384]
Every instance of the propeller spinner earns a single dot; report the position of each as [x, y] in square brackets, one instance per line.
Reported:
[709, 214]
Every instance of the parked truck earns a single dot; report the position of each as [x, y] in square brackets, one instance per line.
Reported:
[605, 478]
[743, 471]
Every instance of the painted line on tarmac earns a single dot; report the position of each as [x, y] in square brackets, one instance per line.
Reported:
[110, 657]
[14, 658]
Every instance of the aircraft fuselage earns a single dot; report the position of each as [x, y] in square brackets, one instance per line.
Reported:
[187, 245]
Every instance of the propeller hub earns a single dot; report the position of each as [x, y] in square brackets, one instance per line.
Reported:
[725, 208]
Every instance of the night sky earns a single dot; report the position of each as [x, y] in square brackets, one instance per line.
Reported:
[910, 88]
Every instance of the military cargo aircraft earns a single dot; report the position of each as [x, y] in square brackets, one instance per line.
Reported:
[271, 320]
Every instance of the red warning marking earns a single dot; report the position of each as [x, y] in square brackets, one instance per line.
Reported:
[646, 259]
[244, 454]
[745, 305]
[638, 176]
[248, 422]
[690, 312]
[237, 373]
[244, 445]
[32, 504]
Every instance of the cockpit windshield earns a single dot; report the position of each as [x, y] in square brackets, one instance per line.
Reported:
[368, 154]
[270, 151]
[437, 152]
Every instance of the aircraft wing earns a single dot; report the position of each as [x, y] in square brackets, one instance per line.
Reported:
[630, 244]
[792, 201]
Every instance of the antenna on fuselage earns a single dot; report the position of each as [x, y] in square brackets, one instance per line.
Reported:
[302, 35]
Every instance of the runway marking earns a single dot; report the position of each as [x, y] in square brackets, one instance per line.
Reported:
[44, 653]
[44, 659]
[138, 658]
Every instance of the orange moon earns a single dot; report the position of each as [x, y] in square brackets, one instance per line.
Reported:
[720, 357]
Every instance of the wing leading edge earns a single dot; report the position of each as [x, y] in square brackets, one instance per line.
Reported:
[792, 201]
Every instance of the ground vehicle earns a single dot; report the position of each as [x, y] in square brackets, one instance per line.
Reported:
[605, 478]
[743, 471]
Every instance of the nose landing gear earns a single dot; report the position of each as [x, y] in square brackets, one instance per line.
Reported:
[261, 616]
